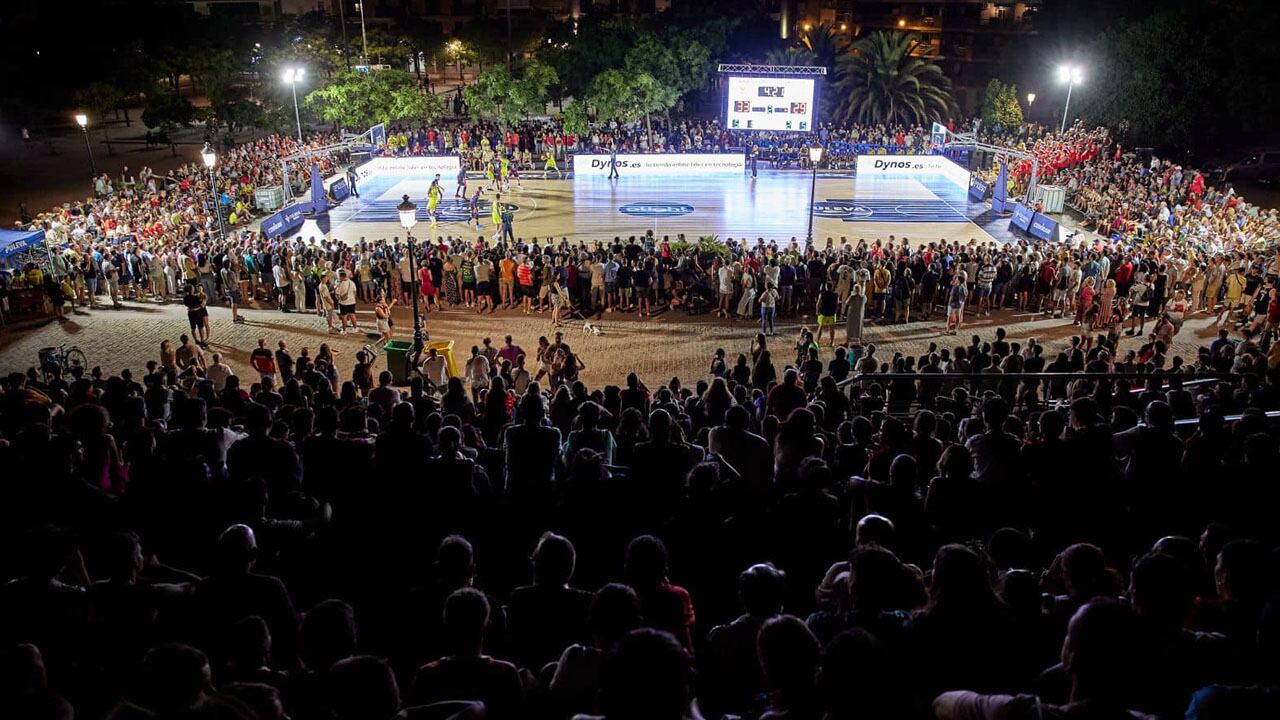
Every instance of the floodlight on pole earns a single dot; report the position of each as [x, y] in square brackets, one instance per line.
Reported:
[408, 218]
[815, 157]
[83, 121]
[1031, 98]
[364, 39]
[293, 76]
[1069, 74]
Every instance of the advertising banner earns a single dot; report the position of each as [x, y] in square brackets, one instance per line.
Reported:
[1022, 216]
[665, 164]
[446, 165]
[284, 221]
[906, 165]
[1044, 227]
[978, 189]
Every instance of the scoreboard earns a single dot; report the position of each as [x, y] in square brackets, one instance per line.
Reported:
[769, 103]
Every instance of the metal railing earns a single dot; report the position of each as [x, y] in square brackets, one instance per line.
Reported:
[979, 379]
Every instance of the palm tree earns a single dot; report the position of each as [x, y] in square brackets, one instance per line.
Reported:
[890, 78]
[824, 43]
[789, 57]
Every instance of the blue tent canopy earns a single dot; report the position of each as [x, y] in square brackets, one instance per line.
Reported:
[13, 242]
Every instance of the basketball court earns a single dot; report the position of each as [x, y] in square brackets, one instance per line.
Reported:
[773, 206]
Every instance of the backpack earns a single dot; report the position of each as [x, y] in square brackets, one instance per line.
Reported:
[1145, 295]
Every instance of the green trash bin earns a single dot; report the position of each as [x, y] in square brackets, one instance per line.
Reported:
[398, 352]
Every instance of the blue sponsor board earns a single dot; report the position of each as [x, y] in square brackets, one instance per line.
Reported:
[339, 190]
[284, 221]
[978, 188]
[1044, 227]
[1022, 216]
[656, 209]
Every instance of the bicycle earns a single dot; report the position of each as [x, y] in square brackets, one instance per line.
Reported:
[64, 357]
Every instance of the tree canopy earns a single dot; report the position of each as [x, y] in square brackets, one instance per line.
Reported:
[890, 77]
[498, 95]
[1189, 76]
[358, 100]
[1000, 105]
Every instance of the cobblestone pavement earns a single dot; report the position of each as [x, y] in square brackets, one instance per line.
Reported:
[658, 348]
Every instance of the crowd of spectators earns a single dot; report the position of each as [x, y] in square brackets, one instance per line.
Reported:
[197, 544]
[788, 536]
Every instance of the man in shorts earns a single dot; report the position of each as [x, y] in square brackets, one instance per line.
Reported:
[345, 292]
[484, 289]
[507, 281]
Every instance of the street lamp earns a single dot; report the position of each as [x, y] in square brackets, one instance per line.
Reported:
[408, 218]
[293, 76]
[815, 157]
[210, 158]
[364, 39]
[1031, 98]
[83, 121]
[1069, 74]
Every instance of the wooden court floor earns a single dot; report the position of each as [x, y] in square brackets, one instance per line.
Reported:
[773, 206]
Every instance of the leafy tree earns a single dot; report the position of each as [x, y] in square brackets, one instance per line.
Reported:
[499, 95]
[99, 98]
[575, 119]
[165, 109]
[628, 96]
[389, 48]
[889, 77]
[1163, 75]
[1000, 105]
[357, 100]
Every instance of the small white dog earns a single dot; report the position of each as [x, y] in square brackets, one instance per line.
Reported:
[589, 329]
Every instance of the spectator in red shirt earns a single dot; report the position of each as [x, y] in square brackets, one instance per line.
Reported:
[664, 606]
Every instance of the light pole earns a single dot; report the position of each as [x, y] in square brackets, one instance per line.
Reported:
[364, 39]
[815, 157]
[1069, 74]
[83, 121]
[293, 76]
[210, 158]
[408, 218]
[1031, 98]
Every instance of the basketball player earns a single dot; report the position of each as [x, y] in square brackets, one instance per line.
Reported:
[433, 199]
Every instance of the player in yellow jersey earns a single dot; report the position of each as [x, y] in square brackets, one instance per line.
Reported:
[433, 199]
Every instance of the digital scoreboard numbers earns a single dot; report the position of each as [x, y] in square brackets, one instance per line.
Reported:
[770, 103]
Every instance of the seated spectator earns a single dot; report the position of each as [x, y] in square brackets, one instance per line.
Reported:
[1100, 657]
[465, 672]
[647, 676]
[546, 617]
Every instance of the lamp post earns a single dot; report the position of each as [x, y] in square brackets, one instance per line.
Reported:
[364, 39]
[210, 158]
[1069, 74]
[408, 218]
[293, 76]
[815, 157]
[83, 121]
